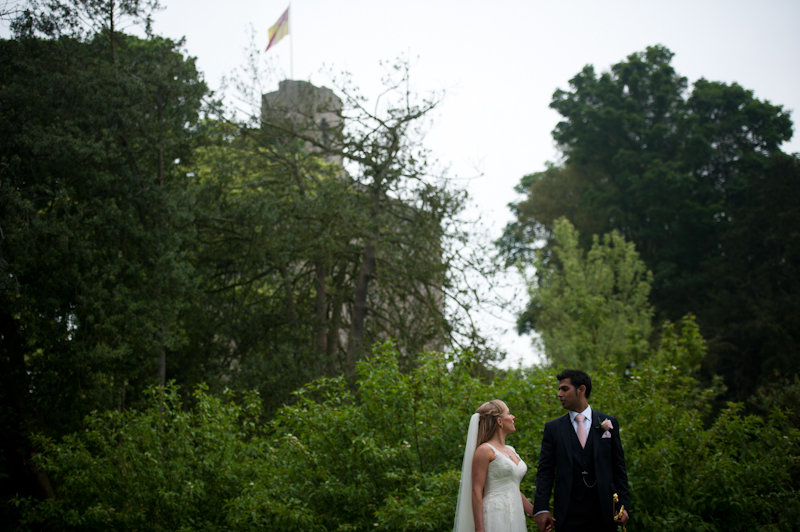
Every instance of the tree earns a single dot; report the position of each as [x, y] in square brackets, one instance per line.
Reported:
[392, 273]
[93, 251]
[388, 166]
[679, 173]
[283, 222]
[83, 19]
[267, 216]
[753, 308]
[590, 308]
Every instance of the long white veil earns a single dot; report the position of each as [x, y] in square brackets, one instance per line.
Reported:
[465, 522]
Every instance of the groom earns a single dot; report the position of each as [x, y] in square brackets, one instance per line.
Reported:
[582, 453]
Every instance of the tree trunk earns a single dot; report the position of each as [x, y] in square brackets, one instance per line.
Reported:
[160, 108]
[162, 360]
[321, 305]
[287, 289]
[365, 275]
[162, 355]
[360, 308]
[119, 384]
[16, 387]
[336, 321]
[111, 35]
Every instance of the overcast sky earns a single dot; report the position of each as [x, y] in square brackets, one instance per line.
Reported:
[499, 63]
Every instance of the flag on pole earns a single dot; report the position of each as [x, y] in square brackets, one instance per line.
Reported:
[279, 30]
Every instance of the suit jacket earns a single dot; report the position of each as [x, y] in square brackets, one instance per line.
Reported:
[555, 464]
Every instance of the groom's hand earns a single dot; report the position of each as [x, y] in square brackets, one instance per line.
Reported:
[545, 522]
[624, 519]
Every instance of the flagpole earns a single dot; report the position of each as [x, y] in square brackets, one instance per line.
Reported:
[291, 41]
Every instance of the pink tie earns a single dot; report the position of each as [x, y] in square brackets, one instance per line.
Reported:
[581, 430]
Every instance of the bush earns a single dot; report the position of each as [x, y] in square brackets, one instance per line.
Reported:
[159, 469]
[386, 455]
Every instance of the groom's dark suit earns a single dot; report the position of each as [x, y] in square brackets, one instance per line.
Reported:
[574, 469]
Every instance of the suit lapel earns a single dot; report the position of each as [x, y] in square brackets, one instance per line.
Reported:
[595, 435]
[566, 435]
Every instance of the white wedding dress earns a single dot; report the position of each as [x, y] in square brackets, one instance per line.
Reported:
[502, 502]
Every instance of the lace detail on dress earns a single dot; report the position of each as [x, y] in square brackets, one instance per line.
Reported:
[502, 504]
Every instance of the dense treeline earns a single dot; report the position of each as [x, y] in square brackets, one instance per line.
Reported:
[387, 454]
[697, 181]
[149, 237]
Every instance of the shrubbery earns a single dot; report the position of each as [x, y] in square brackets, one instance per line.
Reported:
[387, 455]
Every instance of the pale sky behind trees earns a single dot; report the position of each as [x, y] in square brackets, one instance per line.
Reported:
[499, 64]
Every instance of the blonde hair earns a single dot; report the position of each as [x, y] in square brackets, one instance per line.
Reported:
[489, 413]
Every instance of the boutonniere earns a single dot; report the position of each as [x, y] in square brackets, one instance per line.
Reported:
[606, 426]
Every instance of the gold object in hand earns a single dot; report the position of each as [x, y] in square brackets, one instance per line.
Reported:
[618, 515]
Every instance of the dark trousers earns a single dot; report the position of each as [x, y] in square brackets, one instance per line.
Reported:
[598, 527]
[585, 516]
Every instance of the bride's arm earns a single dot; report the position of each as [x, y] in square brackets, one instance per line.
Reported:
[480, 466]
[527, 507]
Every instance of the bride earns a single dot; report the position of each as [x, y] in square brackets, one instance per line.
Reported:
[489, 498]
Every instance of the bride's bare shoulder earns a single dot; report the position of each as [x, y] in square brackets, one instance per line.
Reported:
[486, 451]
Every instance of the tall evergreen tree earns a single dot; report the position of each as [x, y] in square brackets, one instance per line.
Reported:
[682, 174]
[93, 252]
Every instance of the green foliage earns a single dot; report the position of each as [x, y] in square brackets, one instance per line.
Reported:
[82, 19]
[753, 311]
[140, 243]
[157, 469]
[695, 178]
[313, 240]
[95, 262]
[404, 260]
[261, 232]
[779, 393]
[387, 456]
[95, 251]
[281, 233]
[590, 308]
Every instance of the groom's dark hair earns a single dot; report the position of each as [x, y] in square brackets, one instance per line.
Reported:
[578, 378]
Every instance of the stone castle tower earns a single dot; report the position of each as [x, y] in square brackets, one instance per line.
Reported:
[314, 111]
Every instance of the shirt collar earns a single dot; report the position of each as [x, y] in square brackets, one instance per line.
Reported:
[586, 413]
